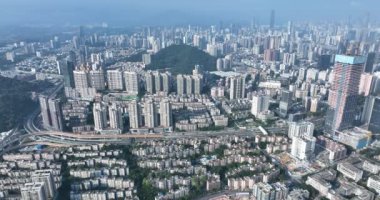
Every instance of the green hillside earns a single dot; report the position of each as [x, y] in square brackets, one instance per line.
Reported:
[181, 59]
[15, 101]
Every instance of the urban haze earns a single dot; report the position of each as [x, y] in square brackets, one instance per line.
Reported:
[180, 99]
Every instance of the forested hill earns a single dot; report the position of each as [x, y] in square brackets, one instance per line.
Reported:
[15, 101]
[181, 59]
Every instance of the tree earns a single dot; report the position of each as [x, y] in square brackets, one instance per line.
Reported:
[148, 192]
[15, 101]
[181, 59]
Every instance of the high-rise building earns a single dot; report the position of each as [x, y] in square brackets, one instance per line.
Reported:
[100, 116]
[271, 55]
[115, 79]
[301, 74]
[66, 68]
[286, 102]
[189, 85]
[150, 115]
[157, 81]
[300, 129]
[371, 58]
[146, 58]
[266, 191]
[373, 109]
[366, 81]
[46, 177]
[134, 115]
[115, 116]
[181, 85]
[237, 87]
[197, 80]
[324, 61]
[45, 111]
[219, 64]
[290, 27]
[303, 147]
[166, 82]
[76, 42]
[132, 83]
[97, 79]
[260, 103]
[375, 85]
[33, 191]
[344, 91]
[150, 83]
[55, 114]
[81, 79]
[165, 113]
[314, 104]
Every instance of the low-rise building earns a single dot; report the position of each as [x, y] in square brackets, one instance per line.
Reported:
[374, 183]
[350, 171]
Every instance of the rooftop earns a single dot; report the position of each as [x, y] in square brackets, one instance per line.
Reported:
[352, 60]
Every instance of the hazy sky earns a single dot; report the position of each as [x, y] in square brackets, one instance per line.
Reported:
[151, 12]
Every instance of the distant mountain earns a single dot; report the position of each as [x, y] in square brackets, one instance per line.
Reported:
[181, 59]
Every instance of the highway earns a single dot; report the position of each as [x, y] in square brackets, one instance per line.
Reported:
[71, 139]
[35, 135]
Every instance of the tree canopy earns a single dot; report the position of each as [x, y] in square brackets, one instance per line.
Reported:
[181, 59]
[15, 101]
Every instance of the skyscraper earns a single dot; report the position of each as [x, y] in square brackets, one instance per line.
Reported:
[157, 81]
[150, 114]
[97, 79]
[374, 117]
[181, 84]
[66, 68]
[219, 64]
[237, 87]
[286, 102]
[165, 113]
[132, 84]
[198, 79]
[115, 79]
[33, 191]
[371, 57]
[134, 115]
[81, 79]
[55, 114]
[189, 85]
[115, 116]
[303, 147]
[46, 177]
[150, 83]
[100, 116]
[324, 61]
[343, 93]
[260, 103]
[166, 82]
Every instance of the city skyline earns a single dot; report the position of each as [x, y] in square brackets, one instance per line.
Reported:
[201, 99]
[169, 12]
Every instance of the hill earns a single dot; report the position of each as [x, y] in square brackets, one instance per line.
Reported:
[15, 101]
[181, 59]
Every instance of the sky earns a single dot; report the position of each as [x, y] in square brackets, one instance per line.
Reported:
[171, 12]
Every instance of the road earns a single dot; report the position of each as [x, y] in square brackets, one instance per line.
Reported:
[81, 139]
[38, 136]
